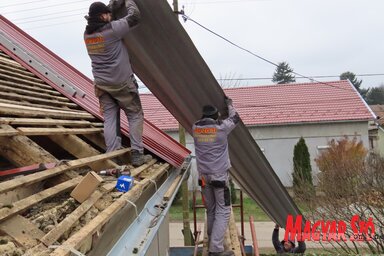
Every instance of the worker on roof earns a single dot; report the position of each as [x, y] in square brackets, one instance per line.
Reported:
[211, 146]
[286, 246]
[115, 84]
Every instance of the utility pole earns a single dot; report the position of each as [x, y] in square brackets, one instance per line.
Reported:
[188, 239]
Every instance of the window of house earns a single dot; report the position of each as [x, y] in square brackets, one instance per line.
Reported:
[321, 149]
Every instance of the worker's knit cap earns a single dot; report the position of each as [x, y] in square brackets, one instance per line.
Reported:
[210, 111]
[98, 8]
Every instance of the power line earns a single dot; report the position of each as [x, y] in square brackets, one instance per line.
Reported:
[226, 2]
[45, 7]
[51, 18]
[24, 3]
[270, 78]
[185, 17]
[48, 14]
[52, 25]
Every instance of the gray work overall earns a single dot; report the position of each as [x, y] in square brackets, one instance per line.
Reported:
[115, 85]
[211, 148]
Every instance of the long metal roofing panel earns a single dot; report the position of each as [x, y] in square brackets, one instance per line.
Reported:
[165, 59]
[154, 139]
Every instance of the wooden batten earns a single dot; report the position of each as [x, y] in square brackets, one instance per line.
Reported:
[24, 81]
[80, 149]
[22, 151]
[6, 88]
[30, 88]
[97, 139]
[167, 196]
[14, 68]
[70, 220]
[36, 177]
[33, 131]
[24, 111]
[19, 74]
[18, 97]
[31, 107]
[22, 230]
[25, 203]
[138, 170]
[234, 237]
[47, 122]
[44, 106]
[76, 240]
[5, 59]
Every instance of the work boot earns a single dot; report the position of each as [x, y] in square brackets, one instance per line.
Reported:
[225, 253]
[138, 158]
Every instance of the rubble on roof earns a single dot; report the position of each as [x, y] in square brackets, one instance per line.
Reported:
[38, 125]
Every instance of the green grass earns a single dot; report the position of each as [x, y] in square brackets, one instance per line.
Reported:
[250, 208]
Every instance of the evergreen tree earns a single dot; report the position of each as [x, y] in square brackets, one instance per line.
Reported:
[356, 83]
[283, 74]
[375, 96]
[233, 191]
[302, 170]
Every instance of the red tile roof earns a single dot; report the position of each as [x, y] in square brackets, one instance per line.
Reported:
[379, 112]
[281, 104]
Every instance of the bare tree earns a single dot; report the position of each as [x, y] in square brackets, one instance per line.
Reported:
[229, 81]
[352, 184]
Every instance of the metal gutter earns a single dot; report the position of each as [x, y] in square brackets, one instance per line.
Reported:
[166, 60]
[140, 235]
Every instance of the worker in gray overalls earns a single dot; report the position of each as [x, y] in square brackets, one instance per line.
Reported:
[211, 146]
[115, 85]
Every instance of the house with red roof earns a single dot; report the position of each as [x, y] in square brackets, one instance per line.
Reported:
[278, 115]
[376, 130]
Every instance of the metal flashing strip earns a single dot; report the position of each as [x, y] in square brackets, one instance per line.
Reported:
[40, 67]
[137, 239]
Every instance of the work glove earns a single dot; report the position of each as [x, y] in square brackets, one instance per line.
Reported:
[228, 101]
[116, 8]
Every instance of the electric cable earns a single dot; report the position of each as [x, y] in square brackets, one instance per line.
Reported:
[45, 7]
[24, 3]
[270, 78]
[185, 18]
[53, 18]
[52, 25]
[226, 2]
[48, 14]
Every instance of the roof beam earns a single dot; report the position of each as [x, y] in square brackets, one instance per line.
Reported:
[44, 122]
[76, 240]
[36, 177]
[33, 131]
[25, 111]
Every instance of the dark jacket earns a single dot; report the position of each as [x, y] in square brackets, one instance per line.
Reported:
[279, 246]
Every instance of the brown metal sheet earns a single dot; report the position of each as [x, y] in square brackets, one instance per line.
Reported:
[166, 60]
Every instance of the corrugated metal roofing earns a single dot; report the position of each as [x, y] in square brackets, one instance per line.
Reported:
[154, 139]
[281, 104]
[166, 60]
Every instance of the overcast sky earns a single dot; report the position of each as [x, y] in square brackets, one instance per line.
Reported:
[316, 37]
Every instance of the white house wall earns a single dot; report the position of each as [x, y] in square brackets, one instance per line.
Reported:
[278, 142]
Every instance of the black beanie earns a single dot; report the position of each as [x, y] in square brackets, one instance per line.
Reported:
[210, 112]
[98, 8]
